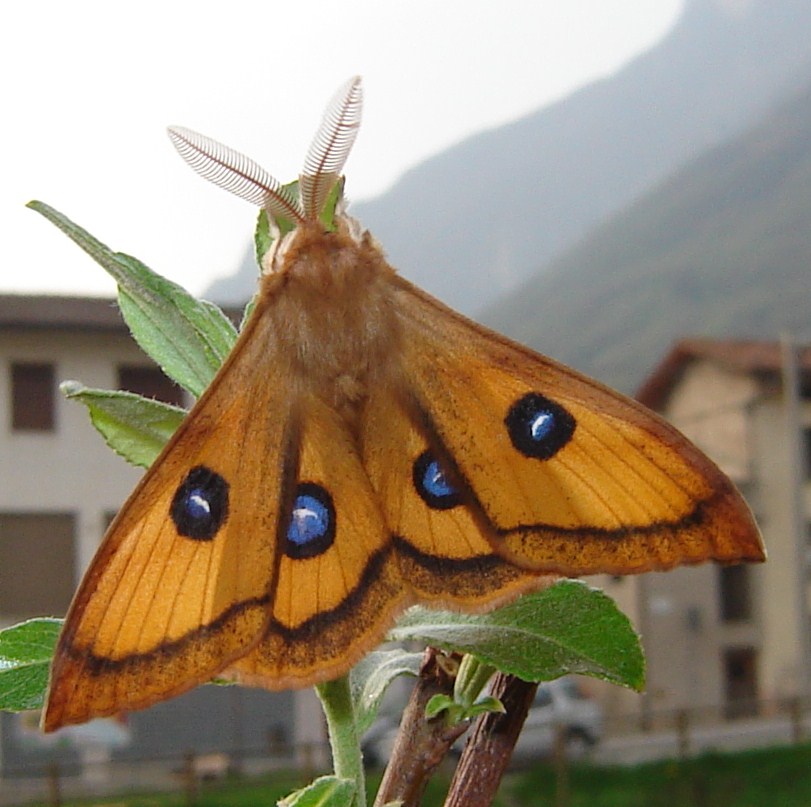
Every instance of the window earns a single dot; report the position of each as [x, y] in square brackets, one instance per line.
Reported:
[33, 399]
[740, 682]
[735, 591]
[37, 565]
[149, 382]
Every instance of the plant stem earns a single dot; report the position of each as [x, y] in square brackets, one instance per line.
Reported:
[421, 744]
[489, 746]
[347, 761]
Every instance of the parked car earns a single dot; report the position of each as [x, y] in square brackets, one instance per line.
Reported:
[559, 706]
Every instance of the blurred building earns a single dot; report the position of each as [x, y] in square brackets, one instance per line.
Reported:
[734, 637]
[714, 636]
[60, 486]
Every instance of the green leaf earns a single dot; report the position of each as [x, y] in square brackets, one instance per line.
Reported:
[370, 678]
[327, 215]
[566, 628]
[263, 237]
[246, 314]
[135, 427]
[326, 791]
[486, 704]
[25, 657]
[189, 339]
[471, 679]
[180, 340]
[288, 225]
[455, 712]
[439, 703]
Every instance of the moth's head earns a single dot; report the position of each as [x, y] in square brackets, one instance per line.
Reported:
[314, 200]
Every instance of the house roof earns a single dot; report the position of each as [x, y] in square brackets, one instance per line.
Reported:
[48, 312]
[53, 312]
[754, 357]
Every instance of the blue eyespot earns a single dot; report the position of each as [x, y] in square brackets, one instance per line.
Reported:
[539, 427]
[432, 484]
[435, 480]
[311, 529]
[197, 506]
[200, 504]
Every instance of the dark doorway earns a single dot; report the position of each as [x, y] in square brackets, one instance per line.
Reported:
[740, 680]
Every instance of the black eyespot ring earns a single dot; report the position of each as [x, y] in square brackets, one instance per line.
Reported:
[539, 427]
[200, 505]
[431, 483]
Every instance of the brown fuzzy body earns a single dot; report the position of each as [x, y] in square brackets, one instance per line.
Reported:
[332, 305]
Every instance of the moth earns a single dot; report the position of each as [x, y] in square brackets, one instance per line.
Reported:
[364, 448]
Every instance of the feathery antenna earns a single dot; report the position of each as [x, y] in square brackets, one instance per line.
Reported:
[247, 179]
[233, 171]
[330, 147]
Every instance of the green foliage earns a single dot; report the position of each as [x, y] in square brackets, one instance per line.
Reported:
[455, 712]
[566, 628]
[326, 791]
[773, 777]
[467, 702]
[370, 678]
[188, 338]
[264, 234]
[25, 656]
[133, 426]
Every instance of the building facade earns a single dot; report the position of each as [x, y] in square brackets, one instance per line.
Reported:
[60, 486]
[733, 640]
[716, 637]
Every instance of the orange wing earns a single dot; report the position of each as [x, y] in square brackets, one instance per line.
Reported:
[442, 548]
[338, 588]
[182, 582]
[570, 477]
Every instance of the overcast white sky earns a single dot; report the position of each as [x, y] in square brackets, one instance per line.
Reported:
[89, 87]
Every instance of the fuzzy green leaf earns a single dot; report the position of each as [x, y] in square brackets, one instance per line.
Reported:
[135, 427]
[327, 215]
[456, 712]
[263, 236]
[486, 704]
[189, 339]
[326, 791]
[370, 678]
[439, 703]
[25, 657]
[471, 679]
[566, 628]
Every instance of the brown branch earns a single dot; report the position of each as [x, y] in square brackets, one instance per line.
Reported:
[421, 744]
[489, 747]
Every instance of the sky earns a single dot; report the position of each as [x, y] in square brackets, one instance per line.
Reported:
[89, 88]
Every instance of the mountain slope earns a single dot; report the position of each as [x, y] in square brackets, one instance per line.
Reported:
[723, 248]
[474, 221]
[494, 209]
